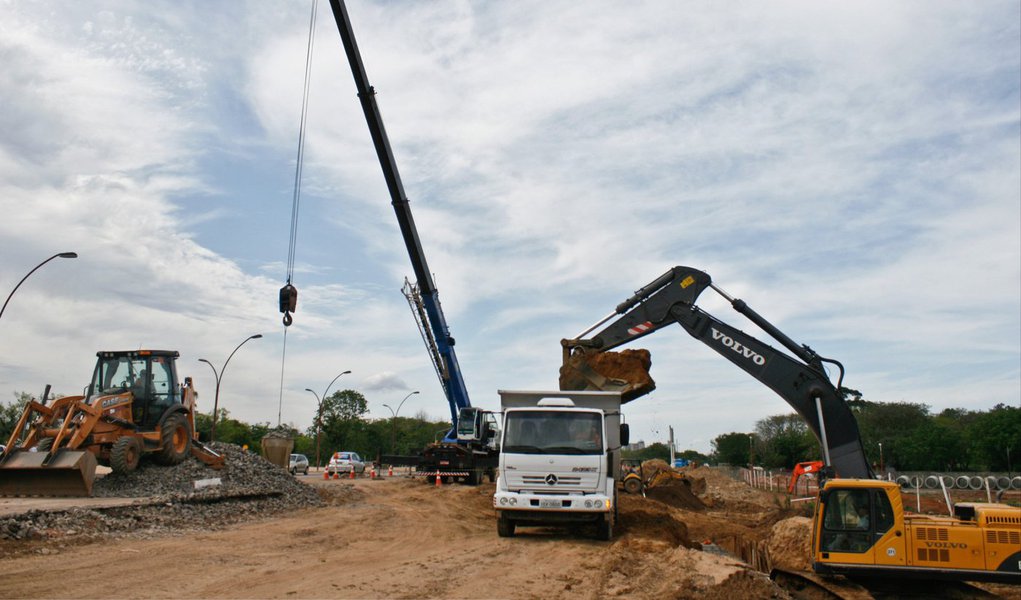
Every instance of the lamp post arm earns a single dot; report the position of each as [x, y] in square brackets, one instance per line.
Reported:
[59, 254]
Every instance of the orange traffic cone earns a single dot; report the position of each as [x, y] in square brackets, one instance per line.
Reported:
[352, 472]
[438, 482]
[390, 471]
[336, 474]
[372, 473]
[326, 474]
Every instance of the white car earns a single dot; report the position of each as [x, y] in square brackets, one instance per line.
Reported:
[345, 462]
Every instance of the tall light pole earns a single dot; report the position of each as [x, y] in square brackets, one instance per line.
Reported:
[60, 255]
[216, 398]
[319, 411]
[393, 427]
[881, 469]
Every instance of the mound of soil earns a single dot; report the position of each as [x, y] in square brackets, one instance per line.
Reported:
[789, 544]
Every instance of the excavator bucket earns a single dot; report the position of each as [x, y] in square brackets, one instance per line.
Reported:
[67, 473]
[626, 372]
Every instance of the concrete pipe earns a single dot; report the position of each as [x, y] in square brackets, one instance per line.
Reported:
[948, 481]
[916, 481]
[932, 482]
[904, 481]
[1015, 483]
[976, 483]
[962, 482]
[1003, 483]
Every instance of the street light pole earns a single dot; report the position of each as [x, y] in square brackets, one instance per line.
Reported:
[393, 426]
[59, 255]
[319, 411]
[881, 469]
[216, 397]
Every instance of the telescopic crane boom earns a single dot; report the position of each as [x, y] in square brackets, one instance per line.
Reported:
[443, 350]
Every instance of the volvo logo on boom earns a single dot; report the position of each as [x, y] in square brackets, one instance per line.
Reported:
[738, 347]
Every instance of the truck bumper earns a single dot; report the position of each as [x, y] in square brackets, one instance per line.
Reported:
[527, 508]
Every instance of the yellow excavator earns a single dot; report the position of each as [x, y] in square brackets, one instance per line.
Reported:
[860, 526]
[133, 408]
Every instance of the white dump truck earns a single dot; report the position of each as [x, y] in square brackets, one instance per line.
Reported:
[559, 460]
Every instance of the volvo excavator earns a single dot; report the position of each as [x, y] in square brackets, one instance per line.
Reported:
[860, 527]
[133, 408]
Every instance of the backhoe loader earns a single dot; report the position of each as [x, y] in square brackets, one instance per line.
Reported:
[860, 526]
[133, 408]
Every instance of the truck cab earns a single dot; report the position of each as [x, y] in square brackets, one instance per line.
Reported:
[559, 460]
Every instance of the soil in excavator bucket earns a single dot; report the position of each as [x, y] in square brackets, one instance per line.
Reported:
[626, 372]
[68, 473]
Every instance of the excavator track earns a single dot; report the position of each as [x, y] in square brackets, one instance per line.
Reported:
[805, 585]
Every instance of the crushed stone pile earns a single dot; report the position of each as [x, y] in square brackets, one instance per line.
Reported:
[244, 473]
[250, 487]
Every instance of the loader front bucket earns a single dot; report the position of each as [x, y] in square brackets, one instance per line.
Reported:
[626, 372]
[68, 473]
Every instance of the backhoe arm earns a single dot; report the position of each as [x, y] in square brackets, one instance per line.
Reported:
[801, 383]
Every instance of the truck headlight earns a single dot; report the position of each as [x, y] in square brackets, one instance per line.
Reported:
[588, 504]
[513, 501]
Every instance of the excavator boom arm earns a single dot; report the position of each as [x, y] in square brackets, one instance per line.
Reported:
[801, 383]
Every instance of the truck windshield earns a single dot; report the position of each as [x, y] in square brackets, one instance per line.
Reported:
[553, 432]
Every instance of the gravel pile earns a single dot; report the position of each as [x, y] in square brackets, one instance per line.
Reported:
[250, 487]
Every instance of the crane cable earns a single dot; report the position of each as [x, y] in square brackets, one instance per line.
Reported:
[288, 293]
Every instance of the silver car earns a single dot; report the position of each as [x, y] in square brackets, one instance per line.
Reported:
[345, 462]
[299, 462]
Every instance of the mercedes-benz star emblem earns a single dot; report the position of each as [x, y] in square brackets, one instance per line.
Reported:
[551, 479]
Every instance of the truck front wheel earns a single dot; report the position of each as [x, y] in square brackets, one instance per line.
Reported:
[504, 526]
[604, 529]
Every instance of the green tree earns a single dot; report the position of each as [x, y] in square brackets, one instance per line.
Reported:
[994, 438]
[786, 441]
[10, 413]
[733, 448]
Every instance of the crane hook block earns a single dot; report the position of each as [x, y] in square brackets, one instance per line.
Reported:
[288, 302]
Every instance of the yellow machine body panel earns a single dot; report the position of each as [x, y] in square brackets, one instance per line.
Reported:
[861, 528]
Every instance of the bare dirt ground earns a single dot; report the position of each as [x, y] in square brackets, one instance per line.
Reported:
[402, 538]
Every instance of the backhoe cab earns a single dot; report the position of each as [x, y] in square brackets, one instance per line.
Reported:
[134, 406]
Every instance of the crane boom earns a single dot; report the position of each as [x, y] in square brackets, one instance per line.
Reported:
[450, 370]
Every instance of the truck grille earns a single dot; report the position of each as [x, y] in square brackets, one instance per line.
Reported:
[540, 481]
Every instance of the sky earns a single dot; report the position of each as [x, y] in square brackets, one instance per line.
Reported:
[851, 170]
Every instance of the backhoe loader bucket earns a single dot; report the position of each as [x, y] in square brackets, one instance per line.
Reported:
[67, 473]
[626, 372]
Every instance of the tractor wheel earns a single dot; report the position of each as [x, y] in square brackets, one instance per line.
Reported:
[632, 485]
[44, 444]
[175, 440]
[125, 454]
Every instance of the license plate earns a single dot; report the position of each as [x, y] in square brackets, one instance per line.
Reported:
[543, 503]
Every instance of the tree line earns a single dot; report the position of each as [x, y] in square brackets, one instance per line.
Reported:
[895, 435]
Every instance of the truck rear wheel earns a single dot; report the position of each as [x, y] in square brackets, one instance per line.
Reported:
[504, 527]
[125, 454]
[175, 440]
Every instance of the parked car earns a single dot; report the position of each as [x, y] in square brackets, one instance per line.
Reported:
[345, 462]
[299, 462]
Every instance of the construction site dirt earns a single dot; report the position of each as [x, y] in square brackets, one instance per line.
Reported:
[398, 537]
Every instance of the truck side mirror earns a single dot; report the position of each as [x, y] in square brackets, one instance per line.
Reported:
[625, 434]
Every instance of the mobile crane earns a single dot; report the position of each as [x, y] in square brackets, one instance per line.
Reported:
[860, 526]
[468, 451]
